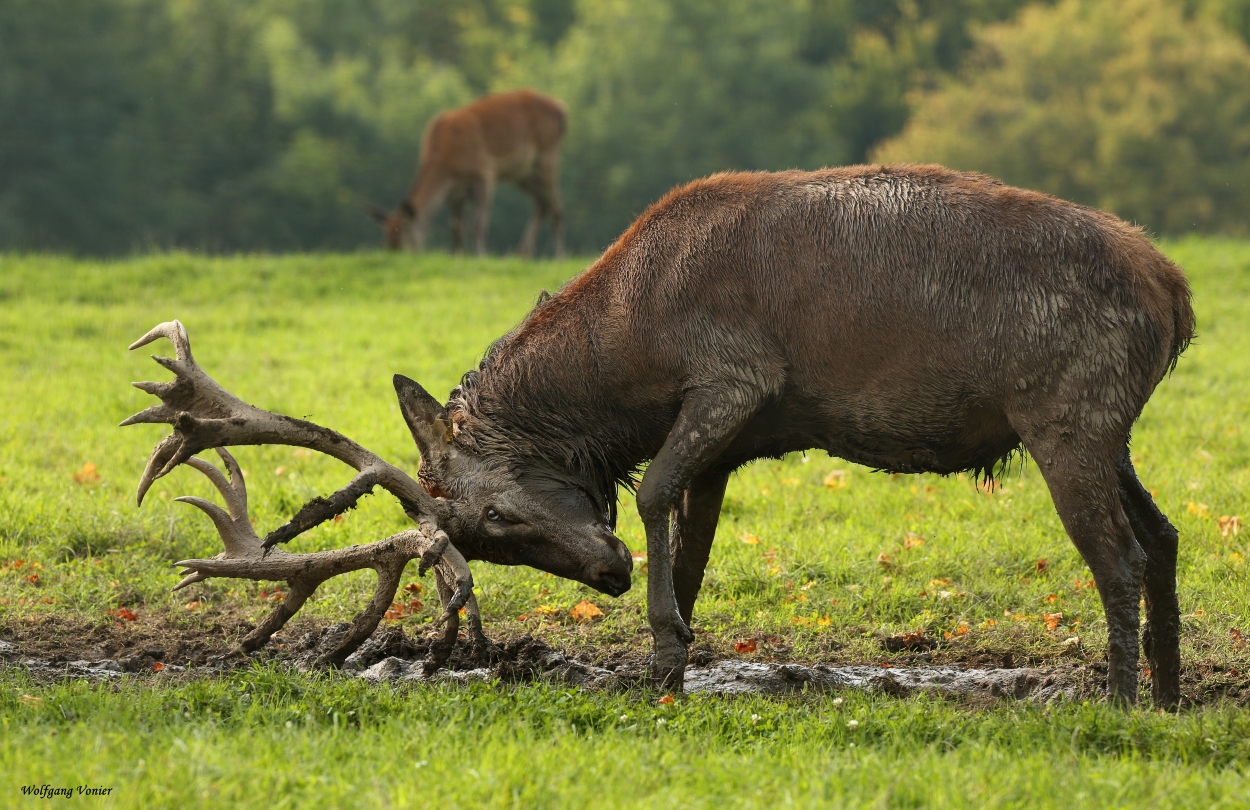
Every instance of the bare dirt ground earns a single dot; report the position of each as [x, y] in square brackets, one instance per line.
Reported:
[154, 645]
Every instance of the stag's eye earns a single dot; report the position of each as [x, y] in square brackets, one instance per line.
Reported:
[493, 516]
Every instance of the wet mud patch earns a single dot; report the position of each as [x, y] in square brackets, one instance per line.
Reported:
[179, 647]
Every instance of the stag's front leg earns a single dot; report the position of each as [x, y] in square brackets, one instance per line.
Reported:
[708, 422]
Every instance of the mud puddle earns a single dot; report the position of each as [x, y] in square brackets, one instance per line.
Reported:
[52, 650]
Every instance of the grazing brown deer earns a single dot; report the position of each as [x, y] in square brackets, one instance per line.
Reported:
[511, 137]
[909, 318]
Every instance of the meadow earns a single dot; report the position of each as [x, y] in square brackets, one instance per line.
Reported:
[816, 560]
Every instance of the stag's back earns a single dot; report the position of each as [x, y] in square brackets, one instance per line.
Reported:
[887, 299]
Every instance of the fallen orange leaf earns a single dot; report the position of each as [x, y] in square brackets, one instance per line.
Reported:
[158, 666]
[750, 539]
[666, 700]
[1042, 564]
[1197, 509]
[883, 560]
[123, 613]
[1052, 620]
[913, 540]
[1230, 525]
[87, 475]
[585, 611]
[748, 646]
[413, 587]
[838, 479]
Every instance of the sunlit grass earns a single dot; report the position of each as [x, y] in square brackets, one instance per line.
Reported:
[821, 569]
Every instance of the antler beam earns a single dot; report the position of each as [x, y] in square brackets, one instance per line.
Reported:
[206, 416]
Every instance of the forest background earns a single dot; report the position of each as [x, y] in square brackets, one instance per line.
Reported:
[260, 125]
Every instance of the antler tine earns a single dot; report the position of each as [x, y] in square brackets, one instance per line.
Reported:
[235, 526]
[177, 335]
[223, 485]
[204, 415]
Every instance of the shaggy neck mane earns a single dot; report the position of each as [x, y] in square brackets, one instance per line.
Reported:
[533, 402]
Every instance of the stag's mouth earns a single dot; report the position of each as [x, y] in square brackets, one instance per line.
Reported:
[612, 584]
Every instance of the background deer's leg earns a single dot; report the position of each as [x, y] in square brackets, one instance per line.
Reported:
[1158, 538]
[708, 422]
[694, 527]
[456, 206]
[1080, 471]
[533, 187]
[549, 173]
[428, 198]
[483, 197]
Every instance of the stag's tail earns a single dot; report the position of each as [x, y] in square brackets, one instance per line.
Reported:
[1183, 320]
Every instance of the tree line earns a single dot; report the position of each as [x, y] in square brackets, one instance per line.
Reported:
[226, 125]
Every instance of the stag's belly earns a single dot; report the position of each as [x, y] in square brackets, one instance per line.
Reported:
[906, 437]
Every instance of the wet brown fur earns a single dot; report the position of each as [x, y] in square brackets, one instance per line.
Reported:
[512, 137]
[909, 318]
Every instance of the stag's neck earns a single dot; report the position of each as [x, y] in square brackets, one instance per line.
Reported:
[559, 389]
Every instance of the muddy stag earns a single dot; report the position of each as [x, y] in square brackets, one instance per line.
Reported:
[513, 137]
[909, 318]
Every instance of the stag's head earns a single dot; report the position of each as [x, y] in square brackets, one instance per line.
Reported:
[494, 510]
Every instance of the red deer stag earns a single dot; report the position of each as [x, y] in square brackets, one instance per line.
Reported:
[909, 318]
[513, 137]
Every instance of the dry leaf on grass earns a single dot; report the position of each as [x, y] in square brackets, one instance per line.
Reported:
[750, 539]
[838, 479]
[666, 700]
[748, 646]
[585, 611]
[87, 475]
[1230, 525]
[123, 613]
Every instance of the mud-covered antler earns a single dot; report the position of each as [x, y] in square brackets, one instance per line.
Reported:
[206, 416]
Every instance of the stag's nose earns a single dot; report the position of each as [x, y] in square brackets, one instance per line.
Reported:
[612, 583]
[613, 577]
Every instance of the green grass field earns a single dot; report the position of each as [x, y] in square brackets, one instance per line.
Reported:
[815, 560]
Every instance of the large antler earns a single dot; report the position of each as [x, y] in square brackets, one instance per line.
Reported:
[205, 416]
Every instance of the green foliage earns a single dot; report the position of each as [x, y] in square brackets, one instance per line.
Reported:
[1129, 106]
[236, 125]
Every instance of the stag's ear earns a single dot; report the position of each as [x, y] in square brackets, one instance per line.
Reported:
[426, 418]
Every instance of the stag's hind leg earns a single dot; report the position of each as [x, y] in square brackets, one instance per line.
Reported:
[1081, 473]
[1158, 538]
